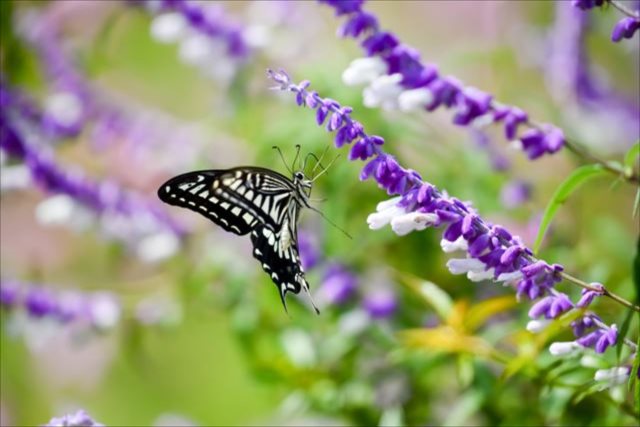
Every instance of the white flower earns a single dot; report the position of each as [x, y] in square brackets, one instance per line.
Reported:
[104, 310]
[536, 326]
[299, 347]
[364, 71]
[383, 217]
[64, 107]
[465, 265]
[386, 204]
[564, 348]
[614, 376]
[197, 49]
[157, 247]
[413, 99]
[14, 177]
[510, 277]
[405, 224]
[459, 245]
[168, 27]
[63, 210]
[383, 92]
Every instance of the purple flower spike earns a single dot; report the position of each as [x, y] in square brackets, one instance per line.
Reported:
[600, 339]
[625, 28]
[492, 252]
[409, 84]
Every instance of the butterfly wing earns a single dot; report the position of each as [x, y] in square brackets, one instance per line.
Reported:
[277, 252]
[236, 199]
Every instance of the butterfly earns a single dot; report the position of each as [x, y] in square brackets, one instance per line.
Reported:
[256, 201]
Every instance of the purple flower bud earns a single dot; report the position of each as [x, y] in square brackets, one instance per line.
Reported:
[587, 4]
[379, 42]
[625, 28]
[357, 24]
[515, 193]
[338, 285]
[309, 254]
[513, 119]
[588, 295]
[78, 419]
[344, 7]
[9, 293]
[40, 302]
[380, 304]
[607, 339]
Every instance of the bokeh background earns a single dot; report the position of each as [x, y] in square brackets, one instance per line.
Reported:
[195, 332]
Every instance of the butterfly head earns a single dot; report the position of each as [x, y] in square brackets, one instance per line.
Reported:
[301, 181]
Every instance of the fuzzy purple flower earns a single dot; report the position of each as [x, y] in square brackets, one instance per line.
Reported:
[77, 419]
[587, 4]
[515, 193]
[600, 339]
[9, 293]
[338, 285]
[380, 303]
[551, 307]
[397, 78]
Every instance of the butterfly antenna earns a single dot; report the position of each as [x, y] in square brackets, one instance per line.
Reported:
[275, 147]
[320, 160]
[323, 171]
[293, 164]
[329, 221]
[307, 158]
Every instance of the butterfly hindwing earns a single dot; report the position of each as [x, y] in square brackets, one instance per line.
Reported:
[278, 255]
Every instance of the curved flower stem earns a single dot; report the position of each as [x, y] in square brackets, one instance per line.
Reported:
[624, 9]
[603, 291]
[580, 151]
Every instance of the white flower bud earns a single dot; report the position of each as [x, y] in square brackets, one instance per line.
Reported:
[168, 27]
[478, 276]
[465, 265]
[64, 107]
[405, 224]
[379, 219]
[536, 326]
[364, 71]
[459, 245]
[564, 348]
[413, 99]
[614, 376]
[383, 92]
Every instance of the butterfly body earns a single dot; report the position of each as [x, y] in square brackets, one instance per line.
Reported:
[256, 201]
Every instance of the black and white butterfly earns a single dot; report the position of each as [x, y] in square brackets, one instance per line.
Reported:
[256, 201]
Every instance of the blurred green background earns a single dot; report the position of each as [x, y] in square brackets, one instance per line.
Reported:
[226, 357]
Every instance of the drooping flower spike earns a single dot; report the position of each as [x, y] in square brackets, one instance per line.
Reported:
[398, 79]
[491, 251]
[123, 214]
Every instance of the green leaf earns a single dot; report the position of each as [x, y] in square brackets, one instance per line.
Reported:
[636, 272]
[632, 156]
[633, 378]
[562, 193]
[623, 333]
[636, 204]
